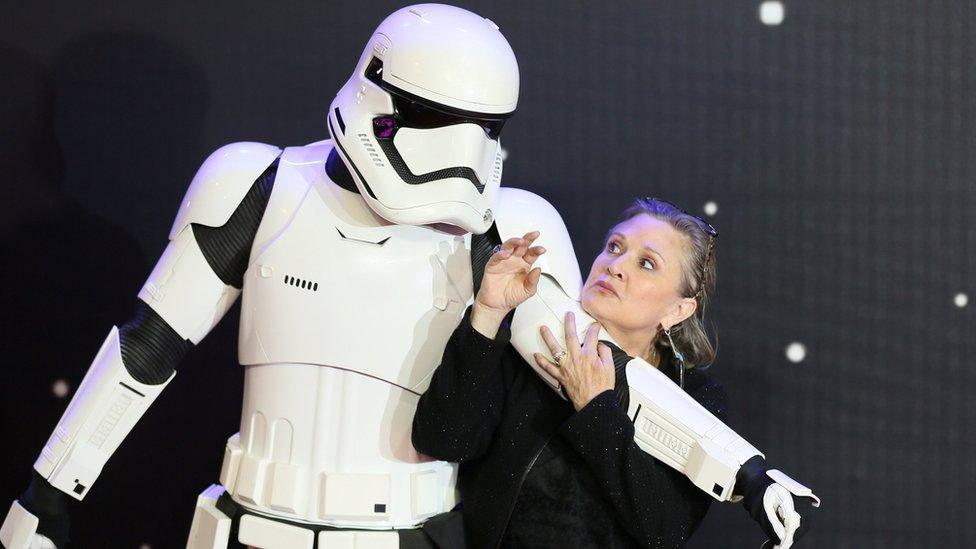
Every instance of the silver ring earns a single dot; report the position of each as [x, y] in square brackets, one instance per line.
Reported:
[558, 357]
[496, 249]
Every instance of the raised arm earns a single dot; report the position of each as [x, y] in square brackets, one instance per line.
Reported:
[457, 416]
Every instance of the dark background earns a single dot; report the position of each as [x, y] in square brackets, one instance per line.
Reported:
[838, 148]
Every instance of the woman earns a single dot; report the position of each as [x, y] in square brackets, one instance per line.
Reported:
[539, 470]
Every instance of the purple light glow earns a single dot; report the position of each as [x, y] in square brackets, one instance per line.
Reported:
[383, 127]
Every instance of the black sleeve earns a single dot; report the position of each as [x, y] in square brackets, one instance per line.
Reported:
[457, 416]
[659, 506]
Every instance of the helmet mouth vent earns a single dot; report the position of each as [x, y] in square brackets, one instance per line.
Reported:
[400, 167]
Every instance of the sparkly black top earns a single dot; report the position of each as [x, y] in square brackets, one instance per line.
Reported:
[535, 473]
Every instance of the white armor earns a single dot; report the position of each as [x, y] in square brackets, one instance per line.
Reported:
[333, 284]
[329, 444]
[348, 302]
[328, 401]
[461, 66]
[348, 299]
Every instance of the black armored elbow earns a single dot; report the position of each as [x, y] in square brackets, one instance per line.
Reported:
[151, 348]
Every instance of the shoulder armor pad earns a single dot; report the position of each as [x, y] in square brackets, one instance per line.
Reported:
[520, 212]
[221, 183]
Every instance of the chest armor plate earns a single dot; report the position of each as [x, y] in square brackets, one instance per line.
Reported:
[331, 283]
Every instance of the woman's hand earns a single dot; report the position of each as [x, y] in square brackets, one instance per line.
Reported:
[584, 370]
[509, 280]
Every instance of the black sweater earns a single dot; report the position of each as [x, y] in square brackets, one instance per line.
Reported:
[533, 472]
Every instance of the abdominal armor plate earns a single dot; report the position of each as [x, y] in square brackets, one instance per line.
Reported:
[344, 319]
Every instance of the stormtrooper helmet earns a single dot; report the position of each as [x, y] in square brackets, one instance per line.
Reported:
[418, 122]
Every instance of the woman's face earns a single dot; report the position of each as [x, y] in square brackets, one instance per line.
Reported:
[633, 283]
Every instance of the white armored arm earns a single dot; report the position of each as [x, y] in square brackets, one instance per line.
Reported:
[520, 212]
[677, 430]
[104, 409]
[188, 297]
[668, 423]
[188, 292]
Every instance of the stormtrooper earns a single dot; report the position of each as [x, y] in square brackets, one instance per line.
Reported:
[383, 230]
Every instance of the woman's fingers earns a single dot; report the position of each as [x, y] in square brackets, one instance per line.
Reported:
[512, 243]
[500, 256]
[525, 243]
[504, 251]
[550, 367]
[523, 246]
[519, 247]
[533, 253]
[551, 341]
[590, 340]
[572, 340]
[517, 241]
[532, 280]
[606, 355]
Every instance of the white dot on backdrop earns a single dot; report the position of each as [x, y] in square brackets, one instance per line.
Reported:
[961, 300]
[145, 546]
[796, 352]
[772, 12]
[504, 154]
[60, 388]
[710, 208]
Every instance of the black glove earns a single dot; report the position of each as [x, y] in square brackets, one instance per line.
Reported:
[620, 387]
[50, 506]
[774, 505]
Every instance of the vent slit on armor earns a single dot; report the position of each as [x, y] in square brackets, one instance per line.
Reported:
[301, 283]
[370, 149]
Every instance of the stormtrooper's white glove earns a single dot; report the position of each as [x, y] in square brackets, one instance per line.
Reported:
[782, 506]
